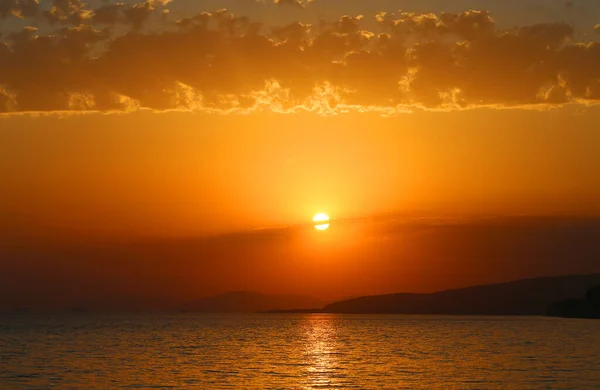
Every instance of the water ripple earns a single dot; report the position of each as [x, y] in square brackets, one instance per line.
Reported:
[296, 351]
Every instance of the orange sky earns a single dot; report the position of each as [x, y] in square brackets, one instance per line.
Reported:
[130, 204]
[189, 151]
[179, 174]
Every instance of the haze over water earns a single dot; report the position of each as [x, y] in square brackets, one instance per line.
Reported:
[296, 351]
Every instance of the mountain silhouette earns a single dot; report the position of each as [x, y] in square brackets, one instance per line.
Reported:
[250, 301]
[589, 307]
[522, 297]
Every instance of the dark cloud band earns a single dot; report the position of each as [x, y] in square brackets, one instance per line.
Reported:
[217, 61]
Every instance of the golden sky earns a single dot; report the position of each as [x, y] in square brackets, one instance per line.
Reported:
[174, 174]
[179, 120]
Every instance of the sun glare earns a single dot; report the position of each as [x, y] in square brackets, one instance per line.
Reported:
[321, 221]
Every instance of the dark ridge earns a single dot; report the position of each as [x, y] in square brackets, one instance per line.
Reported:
[589, 307]
[522, 297]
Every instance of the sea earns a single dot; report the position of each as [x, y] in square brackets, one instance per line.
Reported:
[296, 351]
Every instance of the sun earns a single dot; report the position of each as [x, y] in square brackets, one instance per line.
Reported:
[321, 221]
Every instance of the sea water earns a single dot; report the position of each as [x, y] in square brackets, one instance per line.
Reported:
[256, 351]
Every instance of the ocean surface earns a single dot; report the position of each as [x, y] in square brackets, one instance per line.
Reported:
[87, 350]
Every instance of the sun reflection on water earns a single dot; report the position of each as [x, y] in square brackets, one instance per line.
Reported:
[321, 351]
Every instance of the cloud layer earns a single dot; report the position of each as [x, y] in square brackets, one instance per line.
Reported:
[105, 60]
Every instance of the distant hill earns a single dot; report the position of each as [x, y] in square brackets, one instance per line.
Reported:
[523, 297]
[249, 301]
[588, 307]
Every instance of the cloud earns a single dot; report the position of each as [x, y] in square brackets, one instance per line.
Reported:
[109, 14]
[71, 12]
[296, 3]
[19, 8]
[138, 14]
[219, 62]
[77, 12]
